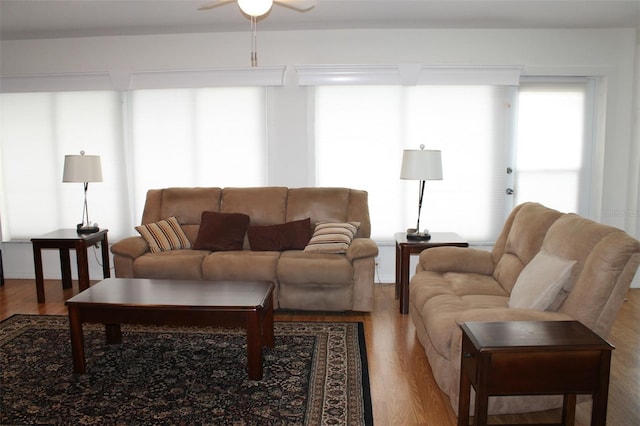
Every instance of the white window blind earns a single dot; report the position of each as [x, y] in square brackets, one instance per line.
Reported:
[554, 146]
[37, 130]
[197, 137]
[146, 139]
[362, 130]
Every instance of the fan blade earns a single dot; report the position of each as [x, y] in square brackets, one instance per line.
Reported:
[214, 3]
[299, 5]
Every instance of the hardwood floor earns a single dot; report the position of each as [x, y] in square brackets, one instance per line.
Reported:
[403, 390]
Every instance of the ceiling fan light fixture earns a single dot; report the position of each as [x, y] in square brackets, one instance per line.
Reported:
[255, 7]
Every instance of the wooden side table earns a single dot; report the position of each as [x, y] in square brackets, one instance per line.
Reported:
[533, 358]
[63, 240]
[405, 248]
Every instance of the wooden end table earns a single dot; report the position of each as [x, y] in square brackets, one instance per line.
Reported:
[64, 240]
[533, 358]
[405, 248]
[116, 301]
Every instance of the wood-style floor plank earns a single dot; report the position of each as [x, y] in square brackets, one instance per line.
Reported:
[403, 389]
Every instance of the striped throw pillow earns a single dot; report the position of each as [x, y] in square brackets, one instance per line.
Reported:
[164, 235]
[332, 237]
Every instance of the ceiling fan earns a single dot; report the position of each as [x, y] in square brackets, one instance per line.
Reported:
[257, 8]
[260, 7]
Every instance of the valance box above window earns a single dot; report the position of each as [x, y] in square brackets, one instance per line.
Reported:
[150, 79]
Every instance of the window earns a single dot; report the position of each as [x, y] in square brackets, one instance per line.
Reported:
[190, 137]
[36, 131]
[554, 145]
[197, 137]
[362, 130]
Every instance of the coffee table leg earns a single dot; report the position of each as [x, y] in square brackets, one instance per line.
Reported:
[77, 341]
[114, 333]
[254, 345]
[267, 326]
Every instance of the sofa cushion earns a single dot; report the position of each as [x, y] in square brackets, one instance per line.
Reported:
[332, 237]
[175, 264]
[540, 281]
[284, 236]
[164, 235]
[221, 231]
[301, 267]
[241, 265]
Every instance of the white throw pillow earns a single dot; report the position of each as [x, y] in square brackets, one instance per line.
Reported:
[540, 281]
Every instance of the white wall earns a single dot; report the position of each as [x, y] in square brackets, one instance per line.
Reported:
[608, 53]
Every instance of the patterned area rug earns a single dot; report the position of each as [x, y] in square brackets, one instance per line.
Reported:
[316, 375]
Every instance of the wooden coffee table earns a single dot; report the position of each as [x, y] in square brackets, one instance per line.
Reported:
[117, 301]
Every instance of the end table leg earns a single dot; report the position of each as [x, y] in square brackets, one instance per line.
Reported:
[37, 262]
[77, 341]
[65, 267]
[404, 281]
[569, 409]
[601, 396]
[482, 406]
[464, 399]
[398, 269]
[83, 266]
[106, 270]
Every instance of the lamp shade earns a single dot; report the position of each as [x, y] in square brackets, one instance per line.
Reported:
[82, 168]
[255, 7]
[422, 164]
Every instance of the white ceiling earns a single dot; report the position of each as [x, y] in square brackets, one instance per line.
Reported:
[29, 19]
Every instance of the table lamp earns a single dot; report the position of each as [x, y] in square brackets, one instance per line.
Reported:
[85, 169]
[421, 165]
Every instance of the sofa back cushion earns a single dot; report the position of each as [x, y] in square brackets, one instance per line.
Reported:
[186, 204]
[520, 240]
[330, 205]
[264, 205]
[606, 261]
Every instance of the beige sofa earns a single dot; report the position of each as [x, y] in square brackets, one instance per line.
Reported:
[304, 280]
[456, 285]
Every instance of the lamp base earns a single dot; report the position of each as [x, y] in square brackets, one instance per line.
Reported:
[414, 235]
[86, 229]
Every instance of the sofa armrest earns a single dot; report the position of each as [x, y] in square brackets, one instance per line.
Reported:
[456, 259]
[132, 247]
[362, 247]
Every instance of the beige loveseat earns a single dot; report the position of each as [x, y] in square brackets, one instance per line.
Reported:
[304, 280]
[456, 285]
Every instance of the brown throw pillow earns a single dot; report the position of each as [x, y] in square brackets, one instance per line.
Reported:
[285, 236]
[221, 231]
